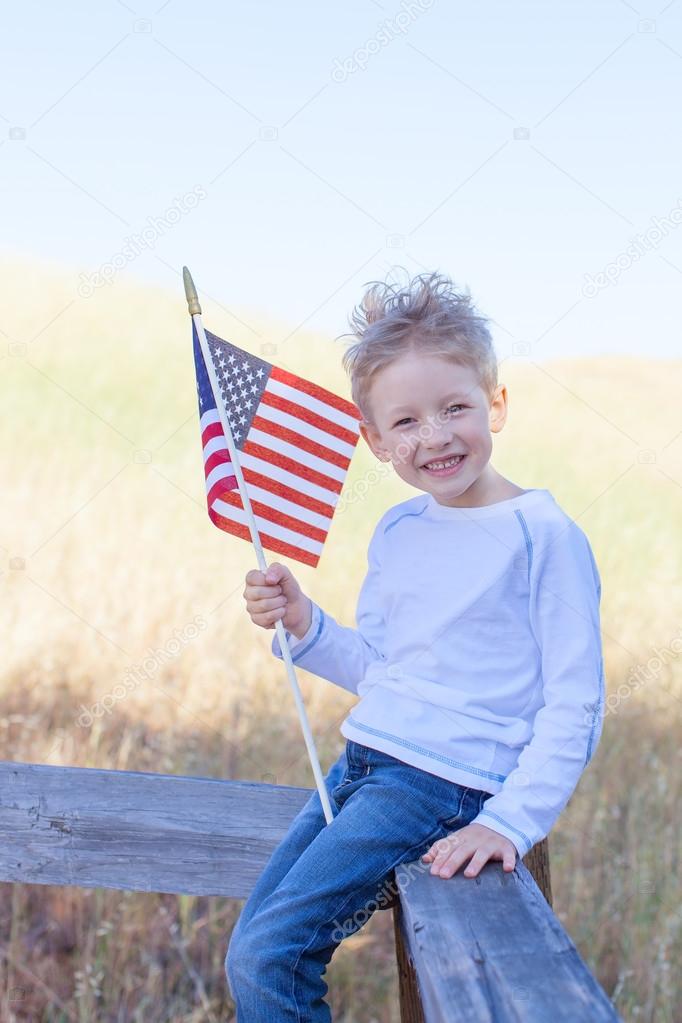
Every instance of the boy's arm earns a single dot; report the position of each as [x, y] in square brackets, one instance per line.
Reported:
[337, 652]
[565, 591]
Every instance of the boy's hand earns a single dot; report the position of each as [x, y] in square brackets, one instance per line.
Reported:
[276, 594]
[475, 841]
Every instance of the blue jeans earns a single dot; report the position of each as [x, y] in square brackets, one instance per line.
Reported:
[324, 881]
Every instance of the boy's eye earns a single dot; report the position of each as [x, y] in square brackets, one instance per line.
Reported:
[407, 419]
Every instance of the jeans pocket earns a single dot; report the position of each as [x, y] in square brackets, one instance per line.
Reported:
[350, 781]
[353, 773]
[461, 816]
[356, 754]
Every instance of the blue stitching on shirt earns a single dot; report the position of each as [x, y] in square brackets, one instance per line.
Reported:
[596, 714]
[516, 831]
[425, 752]
[313, 641]
[526, 533]
[396, 521]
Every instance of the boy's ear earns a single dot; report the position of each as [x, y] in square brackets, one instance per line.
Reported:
[498, 409]
[371, 436]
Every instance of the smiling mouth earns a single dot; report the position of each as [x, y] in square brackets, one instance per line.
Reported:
[450, 460]
[444, 467]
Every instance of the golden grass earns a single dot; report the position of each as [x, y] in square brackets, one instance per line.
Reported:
[106, 548]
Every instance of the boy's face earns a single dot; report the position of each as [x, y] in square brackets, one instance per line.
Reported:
[426, 408]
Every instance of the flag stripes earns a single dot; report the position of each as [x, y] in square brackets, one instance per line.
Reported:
[295, 441]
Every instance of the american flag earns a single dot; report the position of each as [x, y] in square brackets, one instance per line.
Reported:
[295, 441]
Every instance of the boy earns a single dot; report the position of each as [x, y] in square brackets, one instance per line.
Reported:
[477, 657]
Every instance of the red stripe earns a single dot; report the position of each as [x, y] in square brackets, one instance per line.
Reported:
[273, 486]
[217, 458]
[280, 518]
[257, 479]
[301, 412]
[292, 466]
[211, 431]
[269, 542]
[299, 441]
[221, 489]
[321, 393]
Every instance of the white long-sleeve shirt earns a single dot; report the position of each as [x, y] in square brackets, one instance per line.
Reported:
[477, 655]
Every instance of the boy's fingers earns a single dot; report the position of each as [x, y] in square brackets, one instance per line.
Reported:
[447, 851]
[478, 860]
[450, 865]
[447, 855]
[269, 604]
[274, 572]
[263, 592]
[509, 862]
[269, 618]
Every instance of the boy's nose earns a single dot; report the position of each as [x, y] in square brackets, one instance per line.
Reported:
[440, 444]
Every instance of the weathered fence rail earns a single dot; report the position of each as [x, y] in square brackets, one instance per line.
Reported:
[481, 950]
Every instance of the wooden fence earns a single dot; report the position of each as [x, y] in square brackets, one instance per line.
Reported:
[481, 950]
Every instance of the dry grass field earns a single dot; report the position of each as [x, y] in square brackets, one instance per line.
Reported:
[107, 553]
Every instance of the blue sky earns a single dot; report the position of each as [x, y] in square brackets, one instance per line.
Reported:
[523, 149]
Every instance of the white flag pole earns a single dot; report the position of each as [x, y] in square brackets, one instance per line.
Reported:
[195, 313]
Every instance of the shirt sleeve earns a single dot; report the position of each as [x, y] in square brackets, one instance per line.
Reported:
[336, 652]
[565, 592]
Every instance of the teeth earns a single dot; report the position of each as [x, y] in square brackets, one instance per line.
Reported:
[443, 465]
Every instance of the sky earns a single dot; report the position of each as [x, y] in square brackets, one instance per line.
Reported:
[292, 153]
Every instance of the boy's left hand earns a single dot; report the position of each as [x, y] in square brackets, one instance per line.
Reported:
[473, 841]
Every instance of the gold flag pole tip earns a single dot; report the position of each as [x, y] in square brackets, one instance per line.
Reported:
[190, 293]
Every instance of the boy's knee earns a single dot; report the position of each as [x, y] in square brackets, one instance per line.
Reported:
[247, 954]
[235, 957]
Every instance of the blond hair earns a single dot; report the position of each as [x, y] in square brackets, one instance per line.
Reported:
[428, 315]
